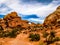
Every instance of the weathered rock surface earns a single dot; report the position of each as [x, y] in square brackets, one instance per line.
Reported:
[13, 20]
[53, 18]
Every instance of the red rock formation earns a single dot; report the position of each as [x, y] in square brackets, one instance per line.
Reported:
[13, 20]
[11, 16]
[53, 18]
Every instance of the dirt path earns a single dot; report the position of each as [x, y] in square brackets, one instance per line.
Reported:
[19, 40]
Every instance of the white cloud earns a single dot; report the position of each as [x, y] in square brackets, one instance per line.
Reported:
[36, 20]
[27, 9]
[2, 1]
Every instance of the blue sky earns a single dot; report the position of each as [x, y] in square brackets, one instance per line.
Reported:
[31, 10]
[37, 1]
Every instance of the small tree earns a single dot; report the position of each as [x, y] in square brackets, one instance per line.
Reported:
[34, 37]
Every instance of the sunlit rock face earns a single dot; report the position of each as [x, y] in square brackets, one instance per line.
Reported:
[12, 20]
[11, 16]
[53, 18]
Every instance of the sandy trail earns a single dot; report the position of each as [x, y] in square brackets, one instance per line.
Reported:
[21, 39]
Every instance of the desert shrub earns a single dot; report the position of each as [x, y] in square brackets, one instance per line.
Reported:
[11, 34]
[45, 34]
[51, 37]
[52, 40]
[34, 37]
[1, 34]
[57, 39]
[1, 28]
[52, 33]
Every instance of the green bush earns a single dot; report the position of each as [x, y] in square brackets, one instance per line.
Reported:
[11, 34]
[34, 37]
